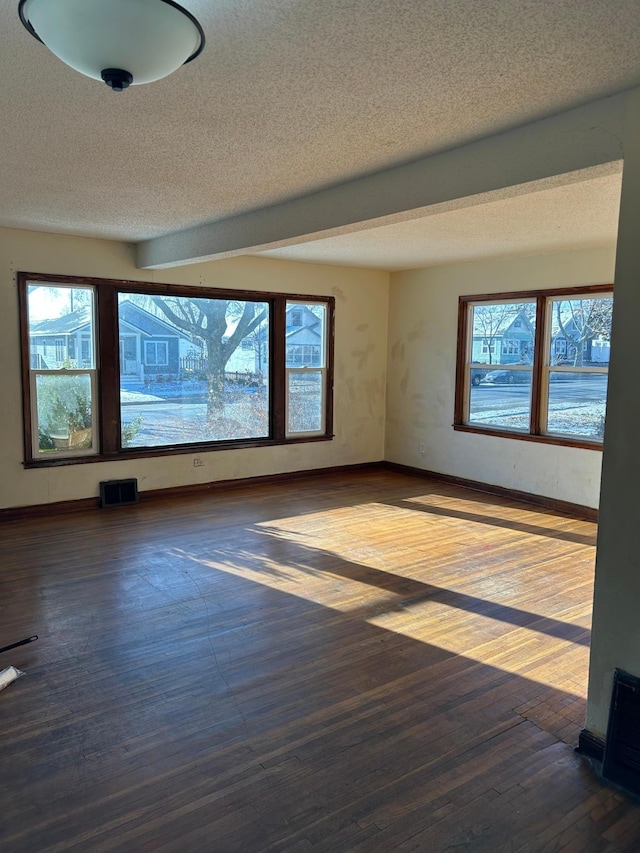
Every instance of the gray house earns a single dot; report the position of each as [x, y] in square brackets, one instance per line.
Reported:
[502, 337]
[63, 342]
[570, 345]
[149, 346]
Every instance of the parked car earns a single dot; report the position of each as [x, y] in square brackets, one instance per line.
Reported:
[477, 376]
[509, 377]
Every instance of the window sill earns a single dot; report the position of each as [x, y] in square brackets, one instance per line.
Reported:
[181, 450]
[580, 443]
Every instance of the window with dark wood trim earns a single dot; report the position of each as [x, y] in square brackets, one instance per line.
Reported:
[121, 369]
[534, 365]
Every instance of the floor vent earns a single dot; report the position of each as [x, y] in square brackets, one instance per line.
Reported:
[622, 748]
[118, 492]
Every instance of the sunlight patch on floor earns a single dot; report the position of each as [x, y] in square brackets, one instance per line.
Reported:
[484, 639]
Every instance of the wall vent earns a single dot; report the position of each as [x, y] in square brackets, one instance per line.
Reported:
[118, 492]
[622, 748]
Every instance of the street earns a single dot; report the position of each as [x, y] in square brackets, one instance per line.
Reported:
[489, 396]
[173, 421]
[576, 405]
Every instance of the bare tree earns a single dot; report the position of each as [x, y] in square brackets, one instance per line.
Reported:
[582, 320]
[259, 339]
[207, 321]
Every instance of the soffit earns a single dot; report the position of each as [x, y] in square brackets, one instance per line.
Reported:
[571, 216]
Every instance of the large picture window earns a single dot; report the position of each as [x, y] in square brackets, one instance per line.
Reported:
[535, 365]
[114, 369]
[203, 373]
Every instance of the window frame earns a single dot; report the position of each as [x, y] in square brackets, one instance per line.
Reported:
[539, 371]
[108, 429]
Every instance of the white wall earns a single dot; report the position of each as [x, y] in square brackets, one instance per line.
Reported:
[423, 316]
[360, 349]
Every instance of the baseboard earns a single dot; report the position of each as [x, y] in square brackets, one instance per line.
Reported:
[266, 479]
[583, 513]
[590, 745]
[574, 510]
[63, 507]
[18, 513]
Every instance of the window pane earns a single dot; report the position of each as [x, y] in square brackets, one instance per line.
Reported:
[502, 400]
[577, 404]
[60, 326]
[305, 331]
[581, 331]
[502, 333]
[305, 409]
[192, 370]
[64, 405]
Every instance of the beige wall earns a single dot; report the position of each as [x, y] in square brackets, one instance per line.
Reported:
[423, 312]
[420, 307]
[361, 351]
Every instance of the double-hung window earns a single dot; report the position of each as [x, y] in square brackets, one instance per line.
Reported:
[306, 368]
[117, 369]
[62, 418]
[534, 365]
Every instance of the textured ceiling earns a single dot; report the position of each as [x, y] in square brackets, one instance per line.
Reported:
[566, 217]
[288, 97]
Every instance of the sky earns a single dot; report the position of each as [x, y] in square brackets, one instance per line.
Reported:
[48, 302]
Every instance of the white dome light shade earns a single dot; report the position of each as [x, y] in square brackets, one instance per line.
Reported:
[146, 39]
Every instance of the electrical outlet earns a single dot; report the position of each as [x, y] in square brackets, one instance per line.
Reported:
[421, 447]
[198, 462]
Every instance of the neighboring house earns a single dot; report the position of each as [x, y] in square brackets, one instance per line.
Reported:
[564, 346]
[600, 350]
[503, 338]
[149, 346]
[63, 342]
[303, 341]
[303, 337]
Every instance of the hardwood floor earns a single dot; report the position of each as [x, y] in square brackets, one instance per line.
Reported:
[371, 664]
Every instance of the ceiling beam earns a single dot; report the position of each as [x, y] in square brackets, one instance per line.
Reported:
[579, 139]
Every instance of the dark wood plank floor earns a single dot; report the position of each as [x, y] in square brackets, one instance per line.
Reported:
[371, 664]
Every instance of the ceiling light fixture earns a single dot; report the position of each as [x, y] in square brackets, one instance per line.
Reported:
[123, 42]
